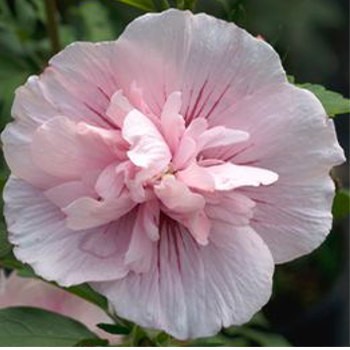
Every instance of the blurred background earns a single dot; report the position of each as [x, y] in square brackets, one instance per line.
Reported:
[310, 303]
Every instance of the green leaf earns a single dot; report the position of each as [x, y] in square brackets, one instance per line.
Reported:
[341, 205]
[145, 5]
[114, 328]
[93, 342]
[5, 246]
[161, 5]
[186, 4]
[26, 326]
[86, 292]
[333, 102]
[219, 340]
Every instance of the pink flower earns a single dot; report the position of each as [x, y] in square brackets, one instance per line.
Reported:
[170, 169]
[17, 291]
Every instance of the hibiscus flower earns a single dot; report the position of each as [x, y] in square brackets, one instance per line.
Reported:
[170, 169]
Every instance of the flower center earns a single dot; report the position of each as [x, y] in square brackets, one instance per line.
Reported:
[165, 166]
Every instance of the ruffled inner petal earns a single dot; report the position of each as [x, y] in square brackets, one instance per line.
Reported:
[148, 148]
[229, 176]
[67, 149]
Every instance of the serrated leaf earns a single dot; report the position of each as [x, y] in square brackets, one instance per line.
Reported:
[145, 5]
[27, 326]
[333, 102]
[341, 205]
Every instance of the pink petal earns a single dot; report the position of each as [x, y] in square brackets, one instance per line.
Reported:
[148, 148]
[293, 215]
[146, 230]
[220, 136]
[110, 182]
[196, 177]
[38, 230]
[232, 208]
[192, 291]
[185, 153]
[170, 62]
[81, 80]
[228, 176]
[196, 128]
[173, 124]
[293, 221]
[86, 212]
[66, 149]
[68, 192]
[176, 196]
[198, 225]
[118, 108]
[16, 142]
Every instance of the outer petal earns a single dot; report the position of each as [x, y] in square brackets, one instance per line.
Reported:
[290, 135]
[37, 229]
[16, 141]
[80, 81]
[232, 62]
[192, 291]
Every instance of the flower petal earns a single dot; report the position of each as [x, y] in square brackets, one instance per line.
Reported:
[185, 153]
[170, 62]
[66, 193]
[176, 196]
[37, 228]
[196, 177]
[67, 150]
[118, 108]
[110, 182]
[81, 80]
[232, 208]
[192, 291]
[229, 176]
[292, 136]
[87, 212]
[220, 136]
[148, 148]
[173, 124]
[146, 230]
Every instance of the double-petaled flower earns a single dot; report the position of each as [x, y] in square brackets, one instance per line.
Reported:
[170, 169]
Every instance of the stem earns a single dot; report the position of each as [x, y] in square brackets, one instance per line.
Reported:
[51, 25]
